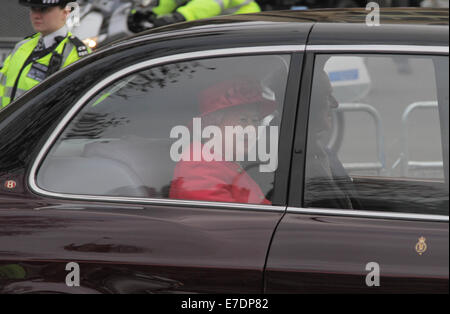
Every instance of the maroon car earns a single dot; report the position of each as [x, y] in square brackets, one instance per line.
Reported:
[348, 190]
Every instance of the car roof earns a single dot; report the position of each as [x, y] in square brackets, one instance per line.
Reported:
[342, 26]
[405, 16]
[358, 15]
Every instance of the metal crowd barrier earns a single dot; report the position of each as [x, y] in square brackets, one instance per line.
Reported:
[380, 164]
[408, 165]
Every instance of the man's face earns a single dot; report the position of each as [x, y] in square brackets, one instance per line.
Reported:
[324, 105]
[48, 20]
[331, 104]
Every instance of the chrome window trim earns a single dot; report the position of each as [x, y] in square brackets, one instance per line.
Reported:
[367, 214]
[121, 73]
[380, 48]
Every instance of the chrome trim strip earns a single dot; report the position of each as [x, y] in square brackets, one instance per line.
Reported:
[145, 64]
[378, 48]
[165, 202]
[365, 213]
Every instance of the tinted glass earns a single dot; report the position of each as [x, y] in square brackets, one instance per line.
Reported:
[174, 131]
[376, 137]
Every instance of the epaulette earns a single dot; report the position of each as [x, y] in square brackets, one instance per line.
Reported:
[82, 50]
[30, 36]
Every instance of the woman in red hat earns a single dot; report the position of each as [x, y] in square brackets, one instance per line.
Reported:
[228, 104]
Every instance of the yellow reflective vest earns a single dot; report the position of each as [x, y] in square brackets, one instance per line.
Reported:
[200, 9]
[23, 68]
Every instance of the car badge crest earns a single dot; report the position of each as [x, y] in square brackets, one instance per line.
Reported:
[421, 246]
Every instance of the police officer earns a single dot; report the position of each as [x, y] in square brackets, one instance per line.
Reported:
[174, 11]
[42, 54]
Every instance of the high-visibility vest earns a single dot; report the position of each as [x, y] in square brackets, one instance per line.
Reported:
[200, 9]
[20, 72]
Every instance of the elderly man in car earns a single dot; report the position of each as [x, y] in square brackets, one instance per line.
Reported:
[327, 182]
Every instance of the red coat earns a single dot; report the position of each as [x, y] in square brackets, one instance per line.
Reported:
[217, 181]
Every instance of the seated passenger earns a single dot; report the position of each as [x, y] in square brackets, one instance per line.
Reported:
[327, 182]
[231, 103]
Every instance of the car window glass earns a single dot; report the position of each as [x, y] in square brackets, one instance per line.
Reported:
[196, 130]
[376, 138]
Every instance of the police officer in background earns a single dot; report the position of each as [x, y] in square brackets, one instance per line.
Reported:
[36, 57]
[174, 11]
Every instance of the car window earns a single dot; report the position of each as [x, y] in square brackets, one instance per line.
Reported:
[376, 138]
[195, 130]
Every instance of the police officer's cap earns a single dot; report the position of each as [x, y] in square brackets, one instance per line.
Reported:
[44, 3]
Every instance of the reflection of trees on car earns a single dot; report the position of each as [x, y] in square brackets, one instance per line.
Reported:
[161, 76]
[93, 124]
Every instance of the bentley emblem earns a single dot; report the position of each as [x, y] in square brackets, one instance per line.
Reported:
[10, 184]
[421, 246]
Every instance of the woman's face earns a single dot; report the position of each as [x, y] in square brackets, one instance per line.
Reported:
[48, 20]
[243, 116]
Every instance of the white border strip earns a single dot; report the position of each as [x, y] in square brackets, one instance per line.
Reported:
[368, 214]
[178, 57]
[380, 48]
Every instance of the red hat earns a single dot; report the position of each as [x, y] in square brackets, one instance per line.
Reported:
[235, 93]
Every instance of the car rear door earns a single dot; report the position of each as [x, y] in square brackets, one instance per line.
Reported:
[98, 192]
[368, 205]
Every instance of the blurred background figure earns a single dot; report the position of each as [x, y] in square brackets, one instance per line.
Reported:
[173, 11]
[38, 56]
